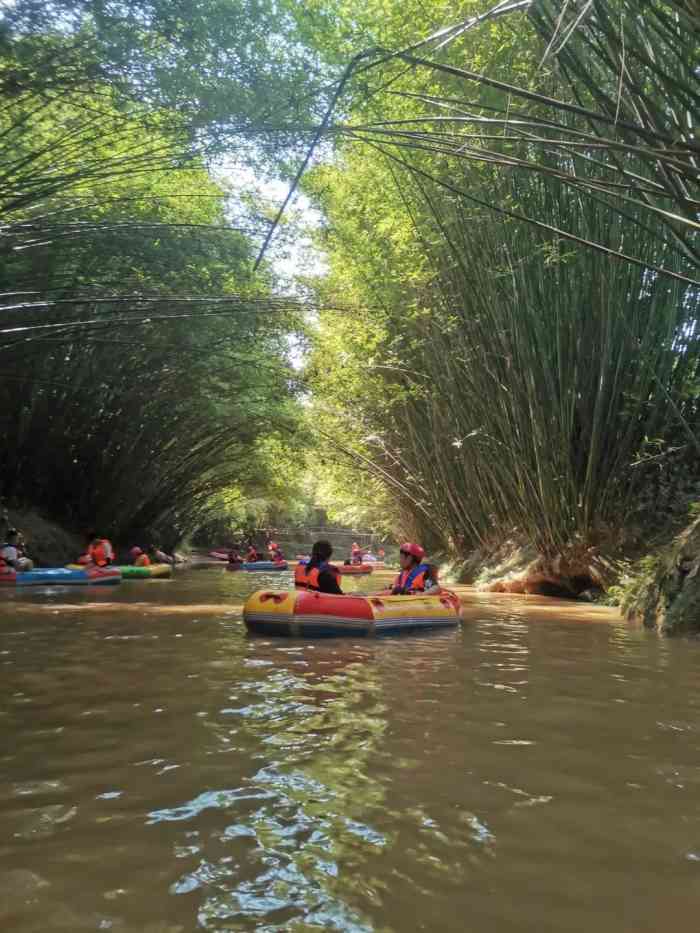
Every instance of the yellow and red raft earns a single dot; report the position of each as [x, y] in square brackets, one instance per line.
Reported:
[306, 614]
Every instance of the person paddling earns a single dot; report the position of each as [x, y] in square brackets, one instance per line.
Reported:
[317, 574]
[415, 576]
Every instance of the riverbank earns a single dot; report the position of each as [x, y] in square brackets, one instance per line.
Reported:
[657, 585]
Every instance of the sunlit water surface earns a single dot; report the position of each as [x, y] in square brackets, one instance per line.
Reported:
[536, 770]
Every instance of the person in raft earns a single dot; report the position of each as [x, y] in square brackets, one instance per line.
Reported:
[161, 557]
[355, 553]
[12, 555]
[234, 557]
[100, 551]
[252, 556]
[415, 576]
[139, 558]
[275, 552]
[316, 573]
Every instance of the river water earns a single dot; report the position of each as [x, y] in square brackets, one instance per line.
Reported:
[162, 772]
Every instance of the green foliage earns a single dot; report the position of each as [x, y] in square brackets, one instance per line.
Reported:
[222, 66]
[528, 296]
[144, 368]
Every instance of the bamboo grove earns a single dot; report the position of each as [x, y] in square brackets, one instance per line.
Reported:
[530, 312]
[143, 365]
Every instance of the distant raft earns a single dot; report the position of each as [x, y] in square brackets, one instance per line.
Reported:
[151, 572]
[354, 569]
[308, 614]
[131, 572]
[265, 565]
[62, 576]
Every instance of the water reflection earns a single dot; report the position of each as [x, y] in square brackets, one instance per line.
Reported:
[315, 720]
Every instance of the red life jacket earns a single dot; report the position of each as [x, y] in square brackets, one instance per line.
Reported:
[412, 581]
[305, 579]
[101, 552]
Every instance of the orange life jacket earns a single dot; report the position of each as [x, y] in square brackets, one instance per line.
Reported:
[305, 579]
[143, 560]
[412, 581]
[101, 552]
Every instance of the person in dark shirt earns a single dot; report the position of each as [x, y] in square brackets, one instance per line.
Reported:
[317, 574]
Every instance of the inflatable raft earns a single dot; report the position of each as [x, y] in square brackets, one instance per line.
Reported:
[130, 572]
[265, 565]
[63, 576]
[320, 615]
[355, 569]
[152, 572]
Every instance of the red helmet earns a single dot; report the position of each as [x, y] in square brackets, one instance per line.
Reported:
[135, 551]
[415, 550]
[273, 545]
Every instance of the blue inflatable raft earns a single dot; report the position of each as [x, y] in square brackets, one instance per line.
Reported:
[61, 576]
[265, 565]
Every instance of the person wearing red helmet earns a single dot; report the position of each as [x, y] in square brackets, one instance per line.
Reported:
[415, 576]
[275, 552]
[139, 558]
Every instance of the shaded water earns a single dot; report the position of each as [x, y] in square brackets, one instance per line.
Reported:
[537, 770]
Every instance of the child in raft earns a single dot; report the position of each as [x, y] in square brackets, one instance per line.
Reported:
[415, 576]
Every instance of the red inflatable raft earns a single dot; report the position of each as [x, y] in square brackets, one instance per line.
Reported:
[302, 613]
[356, 569]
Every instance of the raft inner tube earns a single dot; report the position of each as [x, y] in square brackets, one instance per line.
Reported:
[62, 576]
[305, 614]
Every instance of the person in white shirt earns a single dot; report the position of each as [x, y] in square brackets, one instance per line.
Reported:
[11, 555]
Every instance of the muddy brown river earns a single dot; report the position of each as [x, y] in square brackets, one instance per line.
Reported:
[162, 772]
